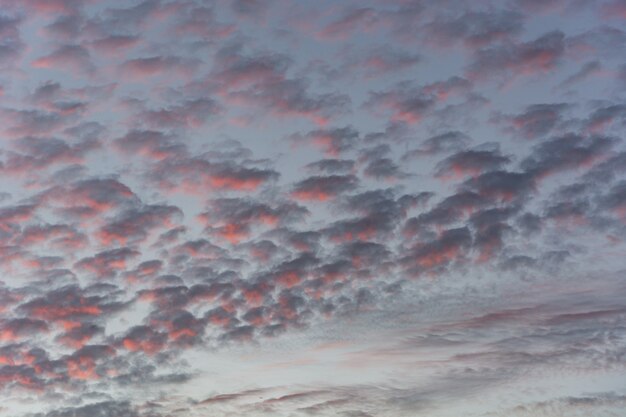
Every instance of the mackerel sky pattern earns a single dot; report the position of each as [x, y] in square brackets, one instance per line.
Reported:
[356, 208]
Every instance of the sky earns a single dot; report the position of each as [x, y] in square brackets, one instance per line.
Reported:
[290, 208]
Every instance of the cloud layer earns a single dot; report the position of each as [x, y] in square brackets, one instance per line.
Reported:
[264, 207]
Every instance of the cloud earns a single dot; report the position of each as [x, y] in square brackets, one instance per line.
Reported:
[475, 29]
[539, 56]
[378, 62]
[89, 197]
[189, 114]
[11, 46]
[261, 81]
[446, 227]
[175, 172]
[349, 23]
[410, 103]
[322, 188]
[566, 152]
[471, 162]
[135, 225]
[73, 57]
[233, 218]
[152, 144]
[446, 142]
[107, 263]
[96, 409]
[36, 153]
[536, 120]
[331, 141]
[155, 66]
[502, 185]
[450, 247]
[332, 166]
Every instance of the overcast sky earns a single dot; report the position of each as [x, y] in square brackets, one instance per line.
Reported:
[354, 208]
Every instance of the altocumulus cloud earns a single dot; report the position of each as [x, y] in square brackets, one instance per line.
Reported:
[283, 208]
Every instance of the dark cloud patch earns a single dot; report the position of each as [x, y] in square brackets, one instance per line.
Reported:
[378, 61]
[235, 69]
[291, 97]
[603, 117]
[362, 254]
[80, 335]
[621, 75]
[303, 241]
[379, 164]
[448, 211]
[199, 248]
[291, 272]
[234, 218]
[107, 263]
[66, 28]
[11, 46]
[70, 304]
[229, 397]
[144, 339]
[615, 200]
[260, 80]
[539, 6]
[251, 7]
[150, 143]
[489, 240]
[127, 19]
[75, 58]
[410, 103]
[322, 188]
[385, 169]
[529, 223]
[384, 201]
[363, 228]
[101, 409]
[502, 185]
[601, 42]
[535, 121]
[332, 166]
[170, 293]
[135, 225]
[19, 123]
[572, 404]
[395, 131]
[606, 171]
[539, 56]
[566, 152]
[471, 162]
[183, 328]
[21, 328]
[188, 114]
[90, 197]
[406, 108]
[449, 248]
[349, 22]
[198, 175]
[115, 43]
[202, 22]
[333, 142]
[589, 69]
[475, 29]
[446, 142]
[380, 212]
[11, 217]
[613, 9]
[156, 66]
[37, 153]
